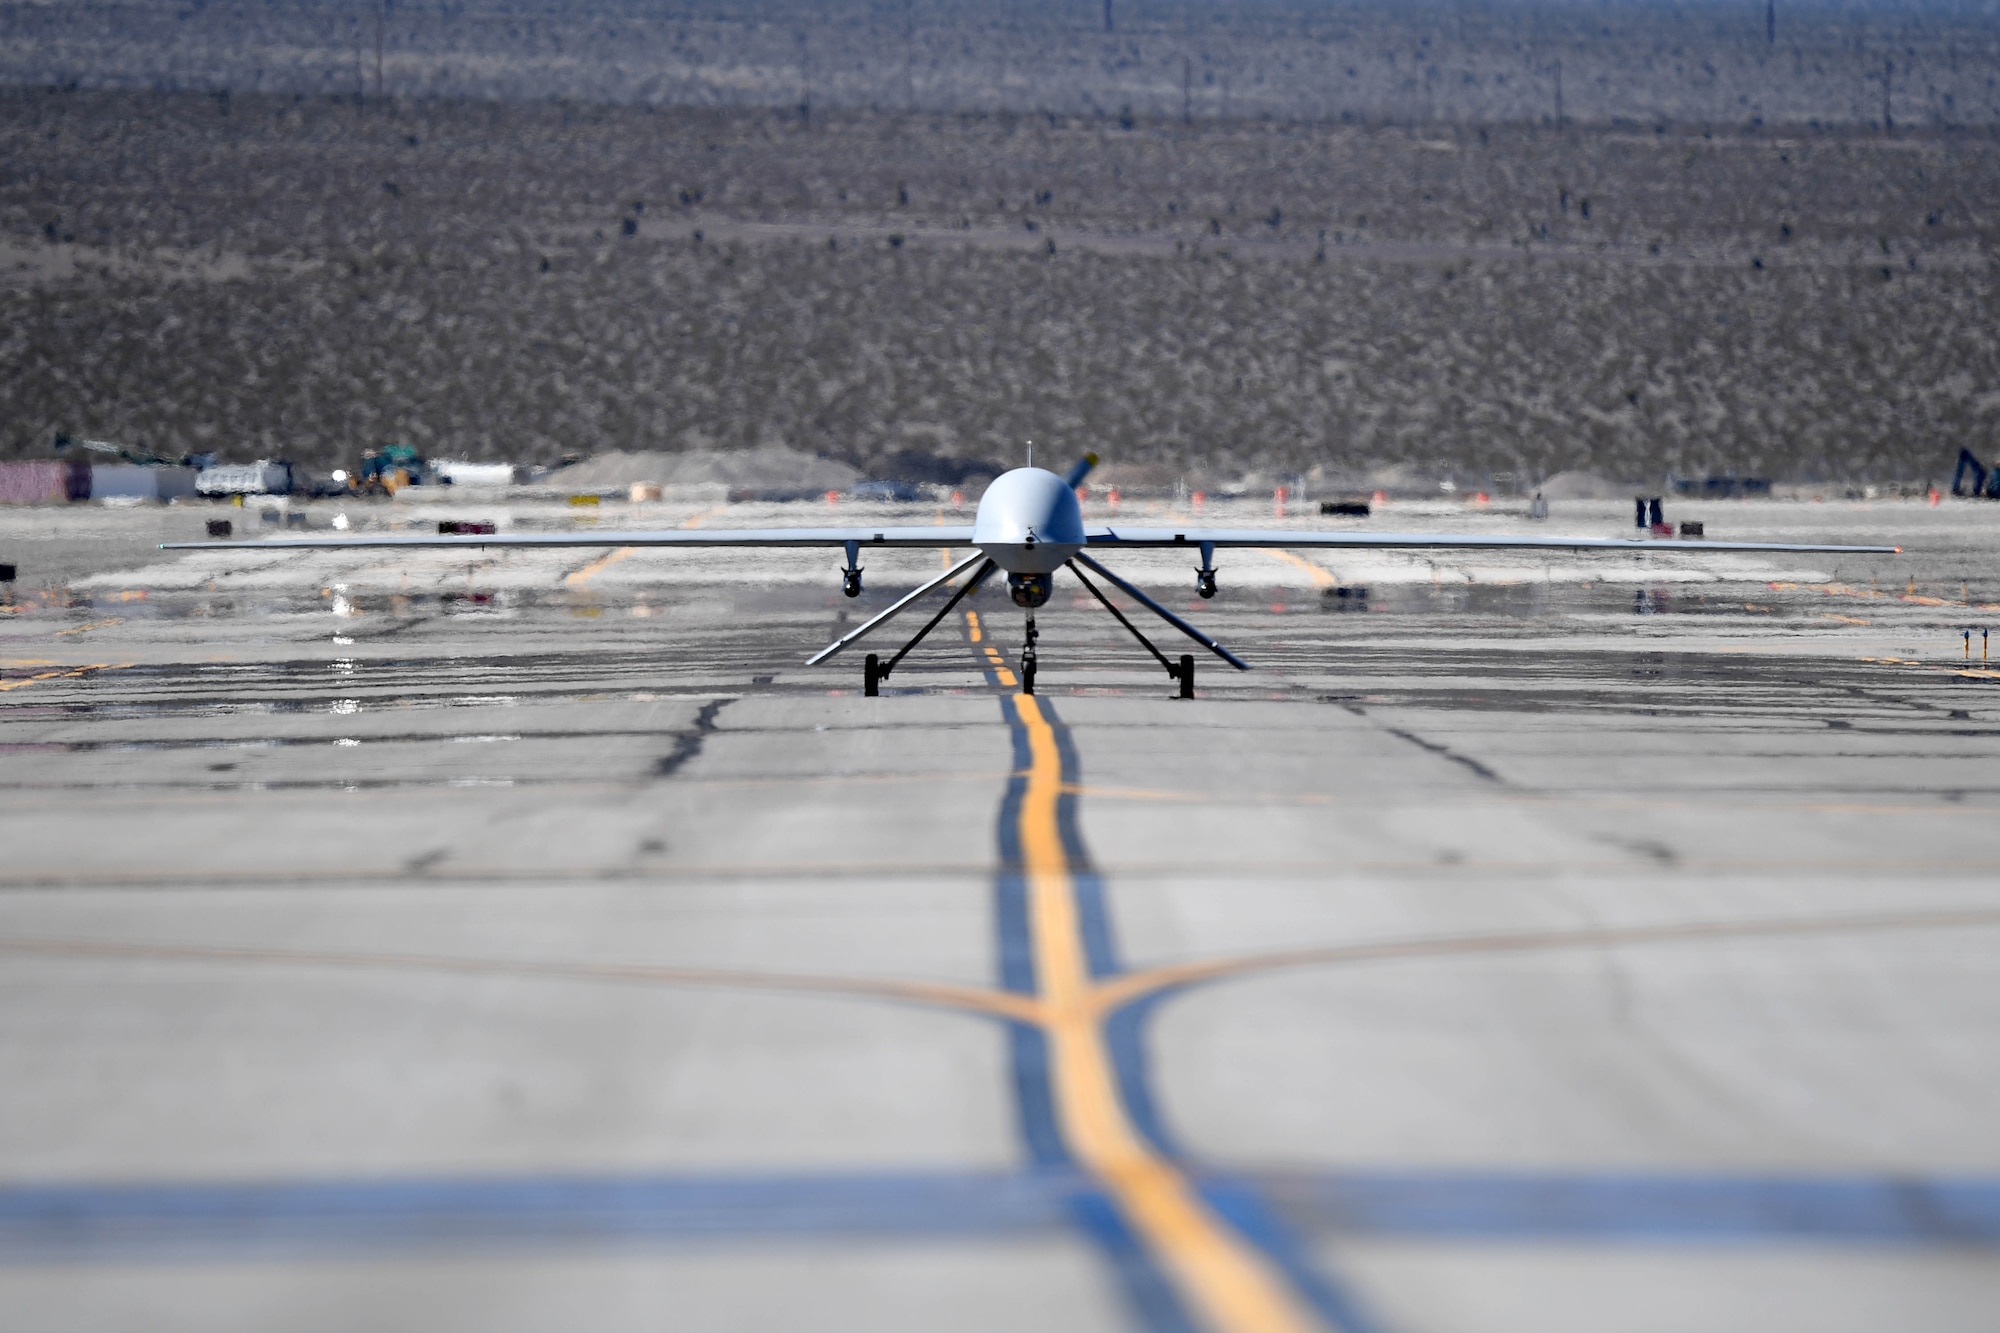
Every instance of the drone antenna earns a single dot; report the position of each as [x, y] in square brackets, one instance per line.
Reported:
[1031, 453]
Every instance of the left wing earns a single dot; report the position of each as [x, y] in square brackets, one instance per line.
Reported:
[1220, 537]
[865, 537]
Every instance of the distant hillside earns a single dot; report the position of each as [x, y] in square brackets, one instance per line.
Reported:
[914, 295]
[1532, 60]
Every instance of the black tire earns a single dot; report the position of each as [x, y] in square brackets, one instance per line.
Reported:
[871, 677]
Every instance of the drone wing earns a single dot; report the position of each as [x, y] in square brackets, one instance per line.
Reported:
[864, 537]
[1109, 536]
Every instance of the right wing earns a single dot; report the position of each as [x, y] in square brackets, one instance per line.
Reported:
[1104, 536]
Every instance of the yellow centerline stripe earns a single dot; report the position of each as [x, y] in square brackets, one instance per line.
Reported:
[1322, 577]
[1227, 1283]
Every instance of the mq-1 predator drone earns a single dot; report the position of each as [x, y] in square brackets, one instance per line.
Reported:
[1028, 526]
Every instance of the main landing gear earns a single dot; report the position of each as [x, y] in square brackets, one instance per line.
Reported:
[874, 670]
[1030, 591]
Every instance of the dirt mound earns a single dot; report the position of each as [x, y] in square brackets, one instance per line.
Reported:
[1582, 486]
[767, 467]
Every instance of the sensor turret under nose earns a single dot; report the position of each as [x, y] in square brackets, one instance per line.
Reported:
[1030, 590]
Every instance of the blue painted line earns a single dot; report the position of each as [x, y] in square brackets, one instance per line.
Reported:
[1149, 1296]
[1093, 913]
[1244, 1208]
[1153, 1301]
[1028, 1048]
[94, 1222]
[1620, 1207]
[1014, 935]
[1125, 1044]
[78, 1222]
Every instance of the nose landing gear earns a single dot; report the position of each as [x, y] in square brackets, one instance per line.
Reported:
[1028, 657]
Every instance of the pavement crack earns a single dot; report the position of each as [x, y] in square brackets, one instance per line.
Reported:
[1446, 752]
[688, 743]
[417, 865]
[1442, 751]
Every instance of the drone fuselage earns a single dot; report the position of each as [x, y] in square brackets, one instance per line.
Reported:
[1028, 522]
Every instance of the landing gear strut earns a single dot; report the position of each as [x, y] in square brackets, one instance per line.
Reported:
[1028, 657]
[874, 670]
[1181, 671]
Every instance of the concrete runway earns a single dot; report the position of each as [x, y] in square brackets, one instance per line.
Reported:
[398, 942]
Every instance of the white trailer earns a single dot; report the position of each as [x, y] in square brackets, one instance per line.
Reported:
[264, 477]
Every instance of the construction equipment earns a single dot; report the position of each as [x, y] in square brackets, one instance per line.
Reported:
[390, 468]
[1985, 481]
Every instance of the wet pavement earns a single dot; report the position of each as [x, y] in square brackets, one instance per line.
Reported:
[399, 941]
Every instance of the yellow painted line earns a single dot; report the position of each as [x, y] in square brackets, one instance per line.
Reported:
[28, 680]
[61, 675]
[1129, 986]
[1003, 1004]
[999, 665]
[577, 578]
[972, 629]
[1845, 620]
[1322, 577]
[95, 624]
[1222, 1278]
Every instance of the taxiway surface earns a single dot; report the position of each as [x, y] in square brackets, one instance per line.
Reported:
[398, 941]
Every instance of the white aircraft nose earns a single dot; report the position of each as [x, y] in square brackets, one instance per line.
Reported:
[1028, 522]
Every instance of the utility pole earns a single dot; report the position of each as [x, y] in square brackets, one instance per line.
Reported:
[1559, 93]
[1187, 90]
[1107, 16]
[1770, 22]
[381, 22]
[1888, 76]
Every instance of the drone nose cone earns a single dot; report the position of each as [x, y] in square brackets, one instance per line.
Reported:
[1029, 521]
